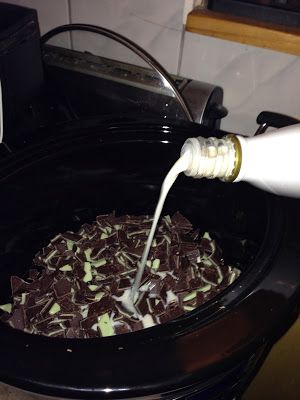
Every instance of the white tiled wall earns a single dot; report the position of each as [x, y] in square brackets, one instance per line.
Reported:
[50, 14]
[253, 79]
[155, 25]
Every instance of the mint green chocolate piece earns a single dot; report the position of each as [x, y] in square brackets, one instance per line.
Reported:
[6, 307]
[155, 264]
[103, 236]
[99, 296]
[99, 263]
[88, 272]
[206, 236]
[188, 308]
[168, 219]
[190, 296]
[66, 268]
[205, 288]
[70, 244]
[54, 309]
[207, 262]
[87, 253]
[93, 287]
[105, 326]
[23, 298]
[120, 260]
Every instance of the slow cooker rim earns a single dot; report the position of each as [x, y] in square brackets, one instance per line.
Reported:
[78, 129]
[149, 390]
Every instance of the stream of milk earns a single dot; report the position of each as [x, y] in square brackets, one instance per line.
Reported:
[180, 165]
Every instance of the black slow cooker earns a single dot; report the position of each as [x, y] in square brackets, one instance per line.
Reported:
[85, 169]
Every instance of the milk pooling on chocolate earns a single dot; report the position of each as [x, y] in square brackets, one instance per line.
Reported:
[180, 165]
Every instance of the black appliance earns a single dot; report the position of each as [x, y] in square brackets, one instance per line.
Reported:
[69, 168]
[21, 69]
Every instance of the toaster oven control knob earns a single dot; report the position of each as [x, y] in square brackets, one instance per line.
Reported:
[217, 111]
[269, 161]
[205, 102]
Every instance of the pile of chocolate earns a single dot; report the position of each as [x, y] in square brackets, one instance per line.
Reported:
[80, 286]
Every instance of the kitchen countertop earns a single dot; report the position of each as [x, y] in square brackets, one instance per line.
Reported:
[278, 379]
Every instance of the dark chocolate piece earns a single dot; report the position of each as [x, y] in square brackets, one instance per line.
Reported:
[33, 274]
[17, 320]
[82, 284]
[102, 306]
[18, 285]
[87, 323]
[62, 287]
[124, 283]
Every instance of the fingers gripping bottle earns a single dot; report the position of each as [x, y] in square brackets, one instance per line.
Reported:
[270, 161]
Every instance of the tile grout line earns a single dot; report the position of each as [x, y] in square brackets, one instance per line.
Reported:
[69, 22]
[181, 50]
[188, 6]
[69, 11]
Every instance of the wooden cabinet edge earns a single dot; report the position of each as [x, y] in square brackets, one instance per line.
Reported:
[244, 30]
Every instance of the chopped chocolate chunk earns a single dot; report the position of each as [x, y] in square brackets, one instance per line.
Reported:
[135, 251]
[193, 255]
[170, 314]
[33, 286]
[17, 320]
[122, 328]
[62, 287]
[124, 283]
[181, 222]
[17, 285]
[142, 305]
[71, 236]
[46, 282]
[87, 323]
[182, 283]
[33, 311]
[102, 306]
[43, 324]
[80, 284]
[200, 299]
[157, 306]
[154, 287]
[67, 305]
[210, 275]
[71, 333]
[195, 283]
[33, 274]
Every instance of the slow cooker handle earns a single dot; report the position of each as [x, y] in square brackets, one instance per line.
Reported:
[273, 119]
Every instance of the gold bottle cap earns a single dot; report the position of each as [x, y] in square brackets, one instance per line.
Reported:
[237, 160]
